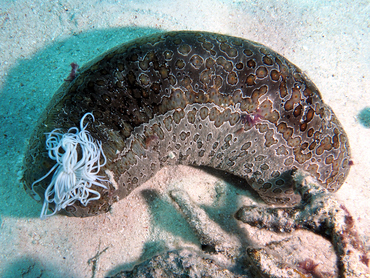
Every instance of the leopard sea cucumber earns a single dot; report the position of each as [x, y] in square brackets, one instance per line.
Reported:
[196, 98]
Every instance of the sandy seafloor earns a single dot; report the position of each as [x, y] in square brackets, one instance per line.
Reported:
[328, 40]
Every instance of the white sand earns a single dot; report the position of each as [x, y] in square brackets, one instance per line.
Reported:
[328, 40]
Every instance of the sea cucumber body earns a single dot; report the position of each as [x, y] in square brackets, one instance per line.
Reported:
[200, 99]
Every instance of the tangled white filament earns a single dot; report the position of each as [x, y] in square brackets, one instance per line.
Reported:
[77, 155]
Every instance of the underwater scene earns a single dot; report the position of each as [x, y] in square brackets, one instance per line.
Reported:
[184, 139]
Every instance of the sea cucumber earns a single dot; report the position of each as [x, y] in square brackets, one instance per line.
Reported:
[196, 98]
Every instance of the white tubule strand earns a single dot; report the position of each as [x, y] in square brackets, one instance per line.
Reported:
[74, 173]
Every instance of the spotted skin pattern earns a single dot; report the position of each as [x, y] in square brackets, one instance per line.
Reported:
[197, 98]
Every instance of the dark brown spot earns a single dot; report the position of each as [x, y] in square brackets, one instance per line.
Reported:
[239, 66]
[196, 61]
[288, 105]
[250, 80]
[251, 63]
[232, 78]
[283, 90]
[275, 75]
[184, 49]
[210, 62]
[248, 52]
[261, 72]
[180, 64]
[267, 60]
[309, 115]
[297, 111]
[303, 127]
[168, 54]
[310, 132]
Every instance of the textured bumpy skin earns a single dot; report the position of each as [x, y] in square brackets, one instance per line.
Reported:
[200, 99]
